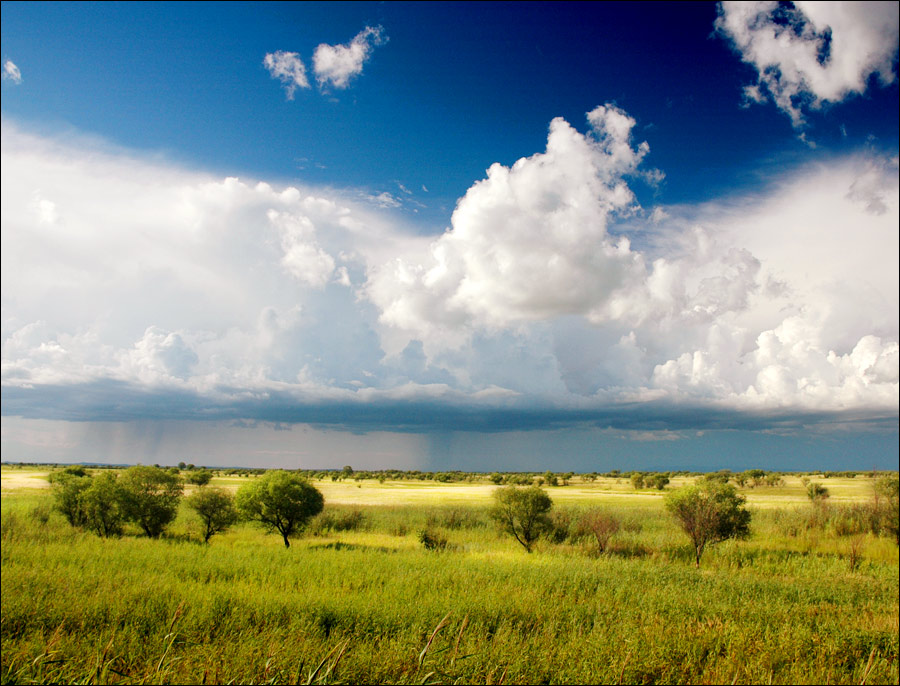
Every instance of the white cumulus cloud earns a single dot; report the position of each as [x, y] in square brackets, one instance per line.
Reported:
[813, 52]
[337, 64]
[289, 69]
[11, 72]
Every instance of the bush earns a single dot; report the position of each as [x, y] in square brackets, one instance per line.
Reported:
[280, 501]
[709, 512]
[599, 524]
[816, 492]
[103, 504]
[522, 512]
[432, 540]
[67, 489]
[150, 498]
[215, 507]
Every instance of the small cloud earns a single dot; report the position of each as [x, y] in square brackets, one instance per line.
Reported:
[658, 215]
[384, 200]
[11, 72]
[424, 188]
[289, 69]
[337, 64]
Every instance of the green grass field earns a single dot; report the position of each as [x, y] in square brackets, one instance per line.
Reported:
[796, 603]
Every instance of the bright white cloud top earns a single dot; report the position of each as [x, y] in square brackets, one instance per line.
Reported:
[814, 53]
[336, 65]
[785, 301]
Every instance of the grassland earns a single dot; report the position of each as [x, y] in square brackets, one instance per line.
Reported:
[796, 603]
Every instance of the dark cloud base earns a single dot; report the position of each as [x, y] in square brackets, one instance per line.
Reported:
[116, 401]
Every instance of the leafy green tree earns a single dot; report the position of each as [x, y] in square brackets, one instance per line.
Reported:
[522, 512]
[200, 477]
[637, 481]
[103, 504]
[281, 501]
[68, 485]
[657, 481]
[215, 507]
[709, 512]
[150, 497]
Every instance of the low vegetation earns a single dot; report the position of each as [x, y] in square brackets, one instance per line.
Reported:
[790, 591]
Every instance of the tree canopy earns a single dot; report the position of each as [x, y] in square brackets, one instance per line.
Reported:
[709, 512]
[522, 512]
[281, 501]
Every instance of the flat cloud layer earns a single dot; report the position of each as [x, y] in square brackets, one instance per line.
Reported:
[134, 288]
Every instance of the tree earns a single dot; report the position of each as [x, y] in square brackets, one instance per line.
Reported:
[657, 481]
[103, 503]
[599, 524]
[522, 512]
[215, 507]
[68, 485]
[150, 497]
[281, 501]
[637, 481]
[709, 512]
[200, 477]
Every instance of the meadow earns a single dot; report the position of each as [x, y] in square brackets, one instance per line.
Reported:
[359, 599]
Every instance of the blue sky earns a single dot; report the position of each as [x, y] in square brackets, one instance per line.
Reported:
[472, 235]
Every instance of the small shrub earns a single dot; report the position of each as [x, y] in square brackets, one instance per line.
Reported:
[562, 527]
[599, 524]
[816, 492]
[432, 540]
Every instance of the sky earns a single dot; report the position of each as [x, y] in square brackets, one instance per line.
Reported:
[445, 236]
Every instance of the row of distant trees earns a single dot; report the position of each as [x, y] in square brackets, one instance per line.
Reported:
[708, 511]
[149, 497]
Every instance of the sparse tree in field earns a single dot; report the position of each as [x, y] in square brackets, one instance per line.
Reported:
[200, 477]
[637, 481]
[347, 472]
[657, 481]
[550, 479]
[280, 501]
[150, 497]
[215, 507]
[522, 512]
[599, 524]
[103, 504]
[709, 512]
[816, 492]
[68, 486]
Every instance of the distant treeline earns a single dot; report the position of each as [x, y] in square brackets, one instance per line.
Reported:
[640, 478]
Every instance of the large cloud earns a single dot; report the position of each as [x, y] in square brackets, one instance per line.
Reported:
[814, 52]
[134, 288]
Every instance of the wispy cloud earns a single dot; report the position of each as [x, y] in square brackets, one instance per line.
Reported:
[11, 72]
[336, 65]
[813, 52]
[289, 69]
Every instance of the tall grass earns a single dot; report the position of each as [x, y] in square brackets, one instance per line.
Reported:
[360, 600]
